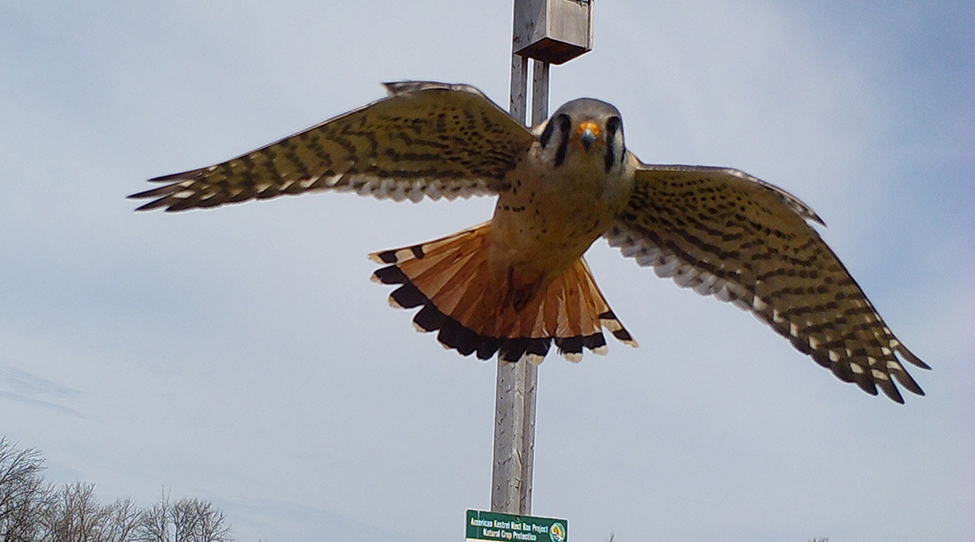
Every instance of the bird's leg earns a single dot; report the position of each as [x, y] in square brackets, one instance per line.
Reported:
[519, 292]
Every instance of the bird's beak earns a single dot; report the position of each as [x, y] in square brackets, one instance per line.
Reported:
[588, 132]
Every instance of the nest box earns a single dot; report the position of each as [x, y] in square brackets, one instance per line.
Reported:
[554, 31]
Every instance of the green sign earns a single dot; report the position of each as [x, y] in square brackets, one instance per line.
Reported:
[491, 526]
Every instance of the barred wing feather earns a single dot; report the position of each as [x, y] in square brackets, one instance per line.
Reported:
[724, 233]
[423, 140]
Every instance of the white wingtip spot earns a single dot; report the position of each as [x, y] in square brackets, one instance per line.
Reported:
[667, 268]
[856, 369]
[627, 251]
[685, 276]
[434, 190]
[724, 294]
[417, 192]
[404, 254]
[398, 193]
[369, 187]
[574, 357]
[708, 284]
[649, 257]
[611, 324]
[601, 350]
[535, 358]
[879, 375]
[381, 189]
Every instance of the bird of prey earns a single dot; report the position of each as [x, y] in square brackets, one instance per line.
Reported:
[518, 283]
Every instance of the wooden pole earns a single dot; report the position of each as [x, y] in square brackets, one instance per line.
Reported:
[514, 438]
[514, 417]
[542, 32]
[539, 91]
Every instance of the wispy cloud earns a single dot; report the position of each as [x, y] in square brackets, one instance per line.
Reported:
[29, 389]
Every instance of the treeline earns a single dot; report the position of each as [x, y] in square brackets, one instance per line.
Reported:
[32, 510]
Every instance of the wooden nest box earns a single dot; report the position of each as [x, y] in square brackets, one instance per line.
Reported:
[554, 31]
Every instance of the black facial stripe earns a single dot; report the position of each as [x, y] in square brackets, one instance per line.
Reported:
[564, 126]
[613, 125]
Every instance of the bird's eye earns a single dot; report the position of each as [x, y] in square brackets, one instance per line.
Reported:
[614, 155]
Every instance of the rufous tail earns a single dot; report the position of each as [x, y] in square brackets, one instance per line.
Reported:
[479, 309]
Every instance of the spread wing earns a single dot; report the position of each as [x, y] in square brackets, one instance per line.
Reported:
[424, 139]
[730, 235]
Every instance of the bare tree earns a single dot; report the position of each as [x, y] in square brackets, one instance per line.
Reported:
[33, 511]
[186, 520]
[195, 520]
[122, 520]
[154, 522]
[22, 492]
[73, 514]
[212, 525]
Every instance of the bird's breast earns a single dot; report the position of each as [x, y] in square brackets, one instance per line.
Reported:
[548, 217]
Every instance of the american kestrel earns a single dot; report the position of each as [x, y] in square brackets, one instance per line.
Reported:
[519, 282]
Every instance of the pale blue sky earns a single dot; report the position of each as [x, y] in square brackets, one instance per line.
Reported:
[243, 355]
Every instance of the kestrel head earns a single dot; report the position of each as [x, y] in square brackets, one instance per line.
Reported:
[584, 132]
